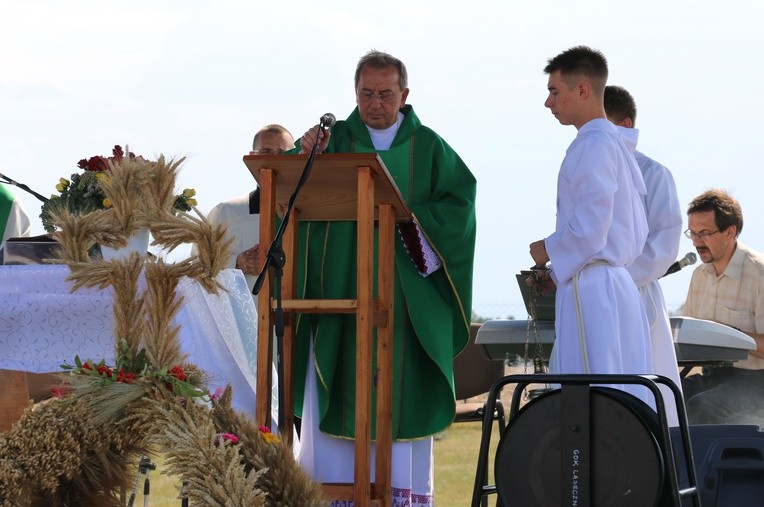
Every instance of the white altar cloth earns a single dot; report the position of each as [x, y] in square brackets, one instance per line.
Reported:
[43, 325]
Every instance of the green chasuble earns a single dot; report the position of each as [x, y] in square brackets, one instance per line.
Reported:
[431, 314]
[6, 201]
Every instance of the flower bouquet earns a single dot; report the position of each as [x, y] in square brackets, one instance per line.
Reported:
[83, 192]
[131, 369]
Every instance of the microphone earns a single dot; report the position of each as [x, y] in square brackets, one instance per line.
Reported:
[327, 120]
[685, 261]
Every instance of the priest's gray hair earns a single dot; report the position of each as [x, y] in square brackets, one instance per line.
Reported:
[379, 60]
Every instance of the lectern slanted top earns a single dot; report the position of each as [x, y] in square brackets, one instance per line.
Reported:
[330, 193]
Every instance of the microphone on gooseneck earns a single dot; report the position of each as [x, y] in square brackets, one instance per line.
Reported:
[685, 261]
[327, 121]
[6, 179]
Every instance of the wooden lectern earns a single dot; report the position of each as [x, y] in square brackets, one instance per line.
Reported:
[347, 186]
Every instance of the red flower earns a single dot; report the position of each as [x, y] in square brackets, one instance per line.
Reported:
[177, 372]
[61, 391]
[95, 163]
[127, 378]
[104, 370]
[86, 366]
[269, 437]
[222, 437]
[98, 163]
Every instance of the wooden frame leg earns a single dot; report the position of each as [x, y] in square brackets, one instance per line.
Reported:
[264, 313]
[386, 259]
[364, 318]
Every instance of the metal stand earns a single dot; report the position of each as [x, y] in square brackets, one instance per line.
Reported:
[144, 466]
[276, 258]
[577, 437]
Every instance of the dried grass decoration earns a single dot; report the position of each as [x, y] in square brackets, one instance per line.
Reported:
[83, 446]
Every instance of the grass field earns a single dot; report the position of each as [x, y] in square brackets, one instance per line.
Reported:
[456, 452]
[456, 455]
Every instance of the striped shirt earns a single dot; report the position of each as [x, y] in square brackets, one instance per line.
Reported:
[735, 298]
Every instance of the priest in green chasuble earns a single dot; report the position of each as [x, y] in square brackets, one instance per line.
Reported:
[432, 298]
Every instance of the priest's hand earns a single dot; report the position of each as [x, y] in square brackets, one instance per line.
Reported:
[315, 134]
[248, 261]
[538, 253]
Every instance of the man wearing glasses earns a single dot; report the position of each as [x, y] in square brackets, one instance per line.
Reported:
[727, 288]
[432, 307]
[241, 215]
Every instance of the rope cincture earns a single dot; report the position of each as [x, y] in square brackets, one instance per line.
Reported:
[580, 315]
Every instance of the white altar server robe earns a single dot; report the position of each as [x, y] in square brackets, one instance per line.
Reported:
[600, 322]
[242, 226]
[664, 220]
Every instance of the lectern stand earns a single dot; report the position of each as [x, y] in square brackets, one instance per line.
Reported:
[357, 187]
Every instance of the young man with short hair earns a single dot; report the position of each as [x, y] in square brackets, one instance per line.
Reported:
[600, 323]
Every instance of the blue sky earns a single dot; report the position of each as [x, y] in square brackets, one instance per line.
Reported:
[197, 79]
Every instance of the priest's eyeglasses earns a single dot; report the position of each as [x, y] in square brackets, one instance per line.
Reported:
[703, 235]
[368, 96]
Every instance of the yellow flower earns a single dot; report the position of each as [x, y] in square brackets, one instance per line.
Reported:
[62, 185]
[188, 193]
[270, 438]
[191, 202]
[107, 203]
[102, 177]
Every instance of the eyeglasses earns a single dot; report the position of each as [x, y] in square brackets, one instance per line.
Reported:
[368, 96]
[699, 235]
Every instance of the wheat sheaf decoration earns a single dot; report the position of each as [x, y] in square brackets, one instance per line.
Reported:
[83, 446]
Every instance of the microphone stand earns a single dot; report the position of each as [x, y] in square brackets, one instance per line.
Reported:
[275, 257]
[6, 179]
